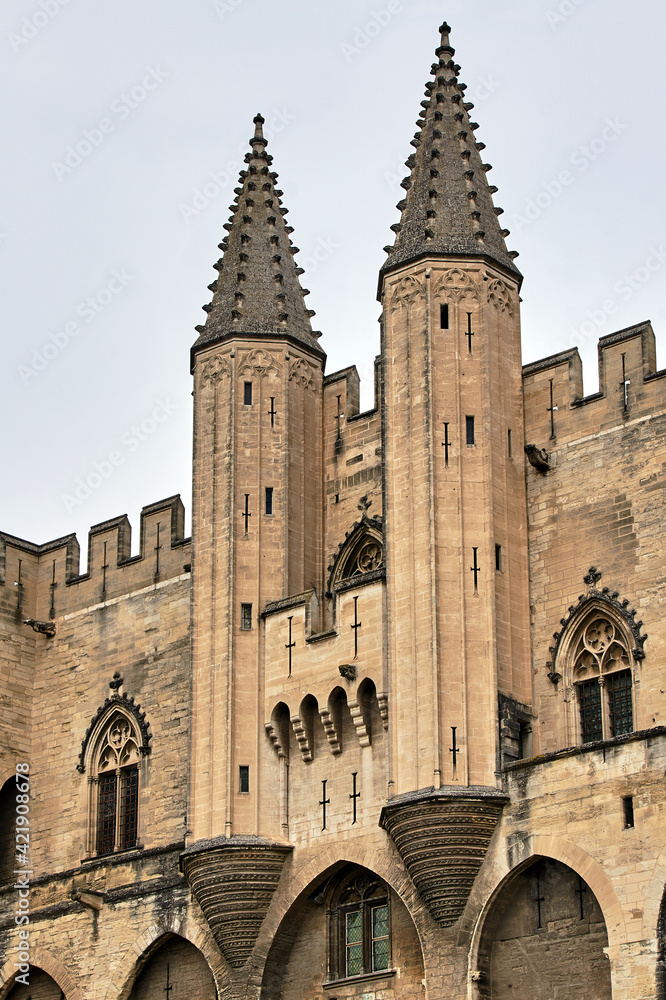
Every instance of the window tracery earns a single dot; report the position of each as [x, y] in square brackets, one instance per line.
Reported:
[361, 553]
[360, 927]
[602, 676]
[114, 783]
[597, 652]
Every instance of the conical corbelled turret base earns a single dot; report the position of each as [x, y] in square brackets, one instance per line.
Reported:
[443, 836]
[233, 880]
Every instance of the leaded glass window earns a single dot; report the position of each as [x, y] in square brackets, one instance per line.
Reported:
[380, 937]
[360, 910]
[602, 673]
[589, 694]
[117, 781]
[619, 703]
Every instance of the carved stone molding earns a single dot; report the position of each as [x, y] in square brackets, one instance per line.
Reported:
[360, 556]
[300, 732]
[302, 374]
[132, 709]
[406, 292]
[260, 363]
[383, 702]
[603, 599]
[442, 837]
[233, 880]
[500, 296]
[215, 368]
[274, 737]
[332, 734]
[360, 723]
[456, 284]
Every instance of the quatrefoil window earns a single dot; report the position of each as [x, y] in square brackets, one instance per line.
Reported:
[602, 676]
[601, 649]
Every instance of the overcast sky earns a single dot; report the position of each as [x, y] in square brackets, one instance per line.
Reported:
[124, 127]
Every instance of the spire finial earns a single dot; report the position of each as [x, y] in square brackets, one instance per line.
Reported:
[448, 208]
[258, 289]
[258, 137]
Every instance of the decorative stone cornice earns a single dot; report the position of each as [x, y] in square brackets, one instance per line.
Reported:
[442, 836]
[233, 880]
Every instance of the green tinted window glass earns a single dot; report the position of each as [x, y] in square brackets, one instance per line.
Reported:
[354, 927]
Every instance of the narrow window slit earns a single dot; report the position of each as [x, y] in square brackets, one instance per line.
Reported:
[628, 812]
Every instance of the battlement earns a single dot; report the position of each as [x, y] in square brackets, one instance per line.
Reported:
[630, 388]
[44, 582]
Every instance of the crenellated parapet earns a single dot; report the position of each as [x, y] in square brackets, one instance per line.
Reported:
[43, 582]
[630, 387]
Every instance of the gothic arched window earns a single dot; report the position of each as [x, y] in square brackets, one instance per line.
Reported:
[360, 927]
[602, 676]
[115, 785]
[361, 554]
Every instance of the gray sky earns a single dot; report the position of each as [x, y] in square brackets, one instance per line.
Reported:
[124, 128]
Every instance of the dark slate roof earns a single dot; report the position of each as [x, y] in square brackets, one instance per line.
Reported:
[258, 291]
[448, 208]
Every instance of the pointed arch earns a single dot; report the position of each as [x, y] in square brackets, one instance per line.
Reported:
[596, 654]
[44, 960]
[360, 557]
[123, 705]
[307, 909]
[139, 953]
[569, 854]
[543, 914]
[112, 752]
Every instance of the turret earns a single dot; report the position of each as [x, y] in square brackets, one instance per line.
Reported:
[457, 579]
[257, 509]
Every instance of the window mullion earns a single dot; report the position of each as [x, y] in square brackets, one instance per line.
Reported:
[119, 792]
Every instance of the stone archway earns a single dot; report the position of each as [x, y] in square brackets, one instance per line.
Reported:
[41, 987]
[141, 953]
[544, 936]
[43, 963]
[299, 960]
[661, 950]
[176, 966]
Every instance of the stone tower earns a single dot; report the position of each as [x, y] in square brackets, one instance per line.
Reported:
[292, 757]
[454, 502]
[257, 511]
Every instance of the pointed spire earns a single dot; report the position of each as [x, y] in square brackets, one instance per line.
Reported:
[258, 289]
[448, 208]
